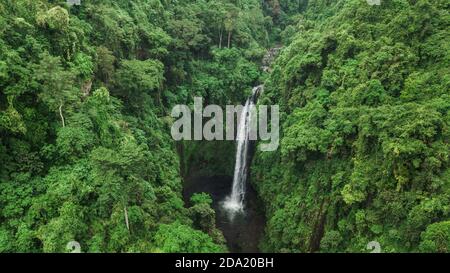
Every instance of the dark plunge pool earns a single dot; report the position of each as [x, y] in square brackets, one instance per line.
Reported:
[243, 233]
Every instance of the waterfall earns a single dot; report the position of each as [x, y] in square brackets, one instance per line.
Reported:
[235, 202]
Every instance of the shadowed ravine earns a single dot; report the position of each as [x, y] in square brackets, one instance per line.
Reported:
[239, 213]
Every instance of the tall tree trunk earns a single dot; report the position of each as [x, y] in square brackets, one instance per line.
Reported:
[61, 115]
[220, 38]
[126, 217]
[229, 39]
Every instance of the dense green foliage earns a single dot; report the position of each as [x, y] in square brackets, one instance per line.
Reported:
[364, 151]
[85, 94]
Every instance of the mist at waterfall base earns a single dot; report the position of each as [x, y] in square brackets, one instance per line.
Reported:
[234, 203]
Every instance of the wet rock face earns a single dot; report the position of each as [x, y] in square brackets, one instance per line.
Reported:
[269, 58]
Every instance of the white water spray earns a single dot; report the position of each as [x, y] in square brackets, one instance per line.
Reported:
[235, 202]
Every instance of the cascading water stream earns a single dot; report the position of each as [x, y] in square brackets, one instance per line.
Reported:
[235, 202]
